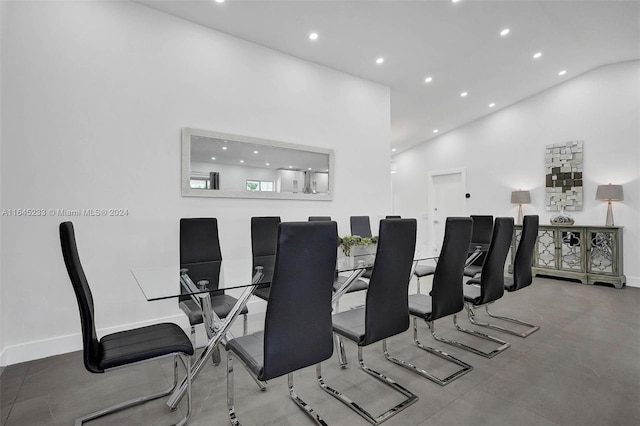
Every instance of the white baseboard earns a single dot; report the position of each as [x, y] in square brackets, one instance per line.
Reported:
[633, 281]
[38, 349]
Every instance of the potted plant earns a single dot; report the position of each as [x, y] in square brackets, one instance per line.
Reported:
[348, 242]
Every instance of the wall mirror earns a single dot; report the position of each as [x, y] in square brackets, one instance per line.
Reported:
[224, 165]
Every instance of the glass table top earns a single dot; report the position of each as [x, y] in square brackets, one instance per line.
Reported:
[163, 282]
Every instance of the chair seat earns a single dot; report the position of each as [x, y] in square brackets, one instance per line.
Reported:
[509, 285]
[472, 292]
[263, 292]
[472, 270]
[250, 349]
[424, 270]
[420, 305]
[142, 343]
[475, 280]
[221, 304]
[357, 285]
[350, 324]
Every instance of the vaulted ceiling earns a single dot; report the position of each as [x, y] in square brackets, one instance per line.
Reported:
[458, 44]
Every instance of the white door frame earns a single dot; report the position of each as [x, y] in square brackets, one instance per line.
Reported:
[430, 195]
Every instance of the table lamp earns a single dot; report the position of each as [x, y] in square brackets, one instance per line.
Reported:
[609, 193]
[520, 197]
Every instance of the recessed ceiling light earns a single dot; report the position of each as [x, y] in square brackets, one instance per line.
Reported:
[242, 161]
[563, 72]
[491, 105]
[219, 1]
[309, 168]
[537, 55]
[379, 61]
[224, 147]
[393, 149]
[464, 94]
[428, 79]
[313, 36]
[505, 32]
[291, 167]
[213, 158]
[455, 1]
[255, 152]
[435, 130]
[267, 164]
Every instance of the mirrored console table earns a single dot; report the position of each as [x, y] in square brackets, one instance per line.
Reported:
[591, 254]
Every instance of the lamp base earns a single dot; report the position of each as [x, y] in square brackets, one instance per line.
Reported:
[609, 221]
[520, 216]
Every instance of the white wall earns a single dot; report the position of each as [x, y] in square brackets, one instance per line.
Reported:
[505, 151]
[94, 95]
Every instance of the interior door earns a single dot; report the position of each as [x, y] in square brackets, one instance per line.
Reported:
[447, 198]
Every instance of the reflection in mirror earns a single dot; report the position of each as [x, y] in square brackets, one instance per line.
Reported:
[224, 165]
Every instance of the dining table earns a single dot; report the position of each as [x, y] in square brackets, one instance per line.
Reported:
[240, 276]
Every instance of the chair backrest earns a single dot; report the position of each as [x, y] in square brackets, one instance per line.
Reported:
[492, 279]
[264, 242]
[522, 276]
[319, 218]
[387, 303]
[482, 229]
[360, 226]
[90, 345]
[446, 294]
[298, 329]
[200, 250]
[393, 217]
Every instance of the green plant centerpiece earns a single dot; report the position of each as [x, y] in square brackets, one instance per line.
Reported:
[347, 242]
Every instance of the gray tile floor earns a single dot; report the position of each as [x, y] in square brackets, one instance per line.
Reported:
[581, 368]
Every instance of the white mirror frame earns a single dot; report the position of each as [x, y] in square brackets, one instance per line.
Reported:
[187, 191]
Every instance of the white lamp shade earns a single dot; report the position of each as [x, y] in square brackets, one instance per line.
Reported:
[609, 193]
[520, 197]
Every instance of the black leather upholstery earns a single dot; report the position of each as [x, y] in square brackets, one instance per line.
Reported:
[386, 311]
[492, 278]
[298, 318]
[264, 240]
[319, 218]
[522, 264]
[360, 226]
[446, 293]
[424, 270]
[200, 253]
[121, 348]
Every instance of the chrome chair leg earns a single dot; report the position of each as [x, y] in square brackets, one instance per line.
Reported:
[300, 403]
[186, 360]
[411, 397]
[503, 345]
[245, 325]
[531, 327]
[230, 407]
[342, 355]
[193, 342]
[442, 382]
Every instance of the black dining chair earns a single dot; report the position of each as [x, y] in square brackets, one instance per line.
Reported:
[386, 311]
[393, 217]
[360, 226]
[489, 286]
[319, 218]
[481, 235]
[200, 254]
[297, 329]
[445, 298]
[264, 240]
[522, 276]
[125, 347]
